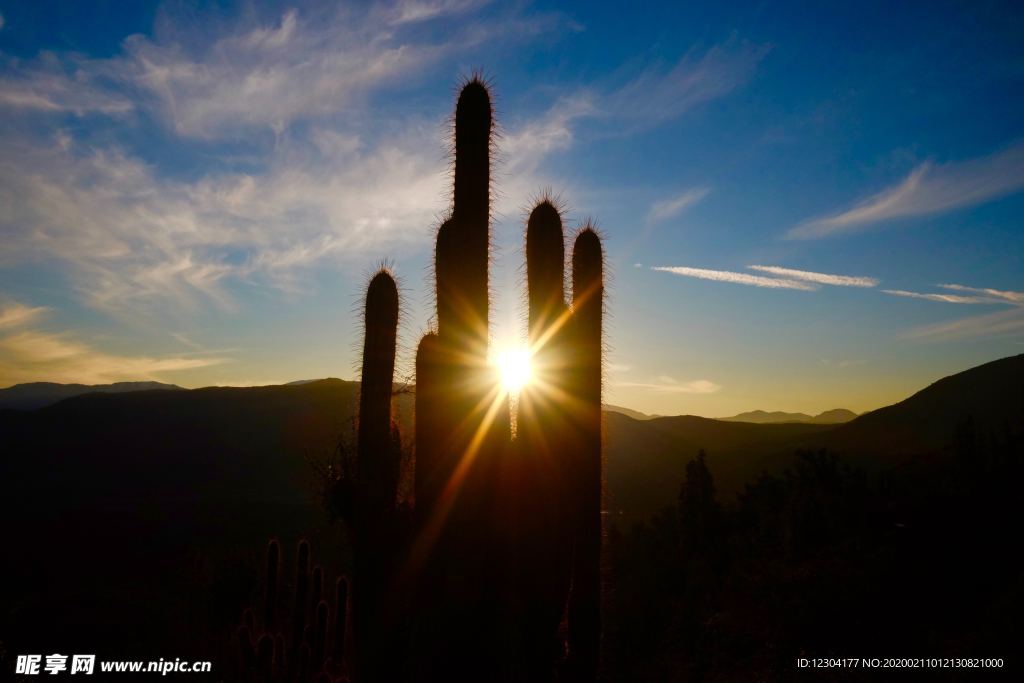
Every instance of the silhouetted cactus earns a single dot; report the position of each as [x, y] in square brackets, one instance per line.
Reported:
[301, 594]
[585, 600]
[316, 635]
[505, 537]
[340, 621]
[246, 651]
[318, 584]
[270, 592]
[280, 658]
[319, 644]
[265, 656]
[377, 465]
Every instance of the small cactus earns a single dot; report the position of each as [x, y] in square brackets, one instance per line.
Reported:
[317, 635]
[270, 593]
[340, 621]
[319, 645]
[301, 594]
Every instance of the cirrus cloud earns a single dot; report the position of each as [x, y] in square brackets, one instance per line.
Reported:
[819, 278]
[945, 298]
[31, 356]
[673, 206]
[736, 278]
[15, 314]
[669, 385]
[929, 189]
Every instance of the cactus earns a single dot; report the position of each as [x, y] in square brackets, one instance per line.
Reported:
[319, 647]
[318, 584]
[317, 631]
[340, 621]
[377, 465]
[505, 535]
[301, 594]
[585, 599]
[265, 656]
[270, 593]
[502, 546]
[246, 651]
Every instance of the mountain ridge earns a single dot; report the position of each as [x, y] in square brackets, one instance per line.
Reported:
[34, 395]
[833, 416]
[231, 429]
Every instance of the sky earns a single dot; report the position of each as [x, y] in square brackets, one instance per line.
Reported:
[803, 208]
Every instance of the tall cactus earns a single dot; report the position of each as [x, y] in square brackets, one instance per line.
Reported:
[585, 600]
[505, 536]
[377, 470]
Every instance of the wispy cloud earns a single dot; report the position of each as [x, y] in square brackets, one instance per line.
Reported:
[15, 314]
[307, 65]
[945, 298]
[60, 84]
[659, 94]
[929, 189]
[737, 278]
[130, 235]
[1001, 323]
[973, 295]
[410, 11]
[550, 132]
[216, 80]
[988, 325]
[669, 385]
[819, 278]
[1010, 297]
[672, 207]
[32, 356]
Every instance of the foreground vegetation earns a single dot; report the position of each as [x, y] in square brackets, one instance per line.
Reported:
[823, 561]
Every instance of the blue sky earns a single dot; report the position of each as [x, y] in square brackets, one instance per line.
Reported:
[803, 208]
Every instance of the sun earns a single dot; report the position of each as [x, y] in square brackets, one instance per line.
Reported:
[515, 369]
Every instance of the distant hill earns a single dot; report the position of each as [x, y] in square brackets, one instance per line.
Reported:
[40, 394]
[635, 414]
[835, 416]
[991, 395]
[644, 460]
[230, 428]
[145, 478]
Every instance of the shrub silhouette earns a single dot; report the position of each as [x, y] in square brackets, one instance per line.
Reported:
[492, 571]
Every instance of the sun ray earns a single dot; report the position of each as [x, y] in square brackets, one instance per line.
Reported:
[432, 529]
